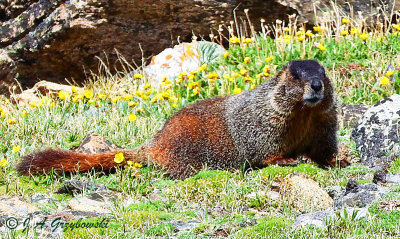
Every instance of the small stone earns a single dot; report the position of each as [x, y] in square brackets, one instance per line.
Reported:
[14, 207]
[95, 143]
[356, 213]
[335, 192]
[351, 186]
[304, 194]
[393, 178]
[89, 205]
[380, 176]
[317, 219]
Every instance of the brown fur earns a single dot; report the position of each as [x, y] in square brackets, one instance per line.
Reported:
[273, 124]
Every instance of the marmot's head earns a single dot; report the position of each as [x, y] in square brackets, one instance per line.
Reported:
[309, 81]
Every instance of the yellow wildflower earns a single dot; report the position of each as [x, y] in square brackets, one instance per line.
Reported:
[248, 79]
[167, 83]
[243, 72]
[320, 46]
[354, 31]
[178, 80]
[253, 86]
[137, 76]
[16, 149]
[119, 158]
[234, 40]
[74, 89]
[345, 20]
[3, 163]
[213, 75]
[174, 106]
[266, 70]
[317, 28]
[128, 97]
[225, 76]
[268, 59]
[286, 38]
[129, 162]
[237, 90]
[246, 60]
[364, 36]
[1, 109]
[101, 96]
[226, 54]
[12, 120]
[203, 67]
[196, 91]
[132, 117]
[193, 85]
[132, 104]
[309, 33]
[389, 73]
[247, 40]
[344, 33]
[300, 38]
[396, 27]
[88, 94]
[116, 99]
[146, 86]
[62, 95]
[3, 114]
[287, 29]
[384, 80]
[139, 110]
[137, 165]
[379, 39]
[173, 99]
[77, 98]
[299, 33]
[24, 113]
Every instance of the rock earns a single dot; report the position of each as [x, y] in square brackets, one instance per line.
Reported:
[188, 226]
[42, 88]
[355, 213]
[316, 219]
[183, 57]
[78, 186]
[389, 205]
[376, 133]
[88, 205]
[95, 143]
[393, 178]
[335, 192]
[380, 176]
[53, 40]
[350, 114]
[360, 196]
[304, 194]
[14, 207]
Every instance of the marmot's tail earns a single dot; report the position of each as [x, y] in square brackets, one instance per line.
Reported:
[68, 161]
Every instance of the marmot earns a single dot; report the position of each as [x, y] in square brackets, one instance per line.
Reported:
[291, 115]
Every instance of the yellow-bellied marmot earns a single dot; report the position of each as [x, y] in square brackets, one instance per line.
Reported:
[292, 114]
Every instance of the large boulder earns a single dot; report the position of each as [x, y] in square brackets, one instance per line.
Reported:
[54, 39]
[377, 134]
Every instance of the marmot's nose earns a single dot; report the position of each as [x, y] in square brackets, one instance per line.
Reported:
[316, 85]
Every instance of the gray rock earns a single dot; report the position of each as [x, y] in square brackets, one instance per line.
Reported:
[335, 192]
[317, 219]
[78, 186]
[355, 213]
[393, 178]
[360, 196]
[376, 133]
